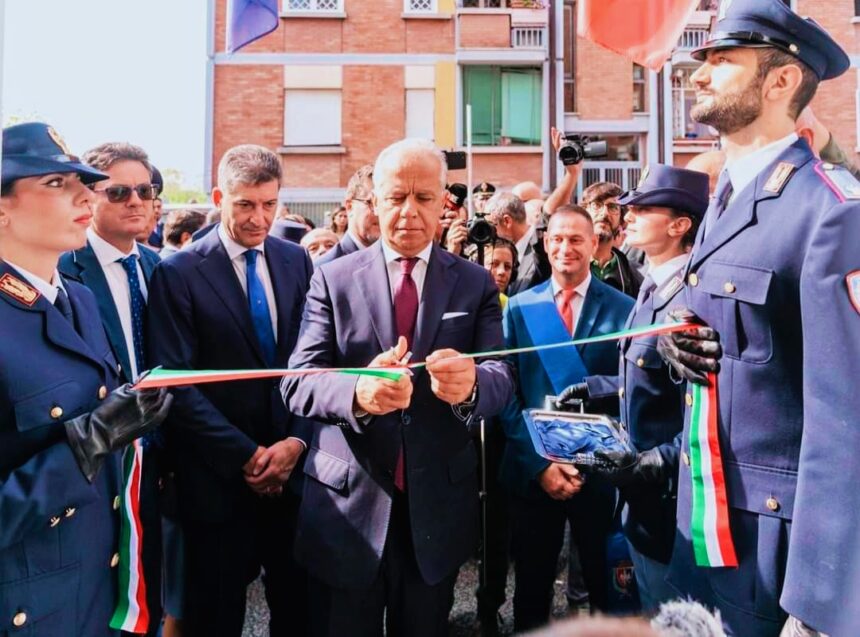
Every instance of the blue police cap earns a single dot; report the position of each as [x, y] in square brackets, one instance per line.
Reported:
[670, 187]
[34, 149]
[770, 23]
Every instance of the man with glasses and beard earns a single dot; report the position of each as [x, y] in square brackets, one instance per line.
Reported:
[609, 264]
[767, 492]
[362, 230]
[117, 269]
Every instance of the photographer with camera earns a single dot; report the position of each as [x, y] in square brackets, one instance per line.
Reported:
[452, 232]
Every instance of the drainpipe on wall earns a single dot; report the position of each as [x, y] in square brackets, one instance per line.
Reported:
[552, 50]
[208, 132]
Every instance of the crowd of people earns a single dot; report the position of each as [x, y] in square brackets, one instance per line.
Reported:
[358, 497]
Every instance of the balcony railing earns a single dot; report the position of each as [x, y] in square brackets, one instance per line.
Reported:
[692, 39]
[528, 37]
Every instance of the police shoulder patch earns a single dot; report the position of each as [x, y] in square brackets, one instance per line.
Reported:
[843, 184]
[18, 290]
[853, 283]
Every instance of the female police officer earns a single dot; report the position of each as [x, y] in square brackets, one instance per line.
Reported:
[60, 425]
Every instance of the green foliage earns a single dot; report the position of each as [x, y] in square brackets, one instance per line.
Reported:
[175, 190]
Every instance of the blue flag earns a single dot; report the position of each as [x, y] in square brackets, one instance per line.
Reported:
[250, 20]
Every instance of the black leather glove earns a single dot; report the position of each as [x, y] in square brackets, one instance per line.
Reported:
[126, 414]
[571, 397]
[624, 468]
[694, 353]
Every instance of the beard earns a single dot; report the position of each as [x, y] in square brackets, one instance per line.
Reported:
[731, 112]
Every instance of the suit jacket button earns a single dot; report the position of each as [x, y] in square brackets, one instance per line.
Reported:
[621, 392]
[102, 392]
[114, 560]
[116, 503]
[688, 398]
[772, 504]
[70, 511]
[640, 362]
[693, 279]
[118, 368]
[19, 619]
[55, 520]
[685, 458]
[56, 412]
[406, 418]
[729, 287]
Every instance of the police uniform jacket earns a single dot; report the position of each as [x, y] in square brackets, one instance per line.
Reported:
[770, 278]
[58, 532]
[651, 408]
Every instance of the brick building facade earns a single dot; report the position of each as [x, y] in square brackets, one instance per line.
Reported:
[340, 79]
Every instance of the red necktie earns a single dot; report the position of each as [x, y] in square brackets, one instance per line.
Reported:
[405, 315]
[564, 308]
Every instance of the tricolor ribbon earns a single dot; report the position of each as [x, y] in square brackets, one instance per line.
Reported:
[709, 524]
[132, 613]
[160, 377]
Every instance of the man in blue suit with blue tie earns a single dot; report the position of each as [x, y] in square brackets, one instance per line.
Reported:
[234, 299]
[545, 495]
[117, 269]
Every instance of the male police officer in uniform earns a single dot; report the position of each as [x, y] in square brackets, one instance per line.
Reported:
[664, 212]
[774, 277]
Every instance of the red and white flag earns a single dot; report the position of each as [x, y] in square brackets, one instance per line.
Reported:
[646, 31]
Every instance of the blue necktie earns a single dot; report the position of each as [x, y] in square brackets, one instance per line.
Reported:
[259, 308]
[722, 194]
[138, 306]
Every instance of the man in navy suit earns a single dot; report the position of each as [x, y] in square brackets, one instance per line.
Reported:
[117, 269]
[390, 506]
[545, 495]
[362, 230]
[234, 299]
[774, 275]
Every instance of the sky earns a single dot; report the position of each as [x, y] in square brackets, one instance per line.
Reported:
[111, 70]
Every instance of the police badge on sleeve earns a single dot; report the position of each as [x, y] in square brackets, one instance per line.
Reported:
[853, 283]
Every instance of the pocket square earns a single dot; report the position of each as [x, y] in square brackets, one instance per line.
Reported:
[450, 315]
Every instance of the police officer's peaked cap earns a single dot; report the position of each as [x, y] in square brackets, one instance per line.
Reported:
[670, 187]
[770, 23]
[34, 149]
[483, 188]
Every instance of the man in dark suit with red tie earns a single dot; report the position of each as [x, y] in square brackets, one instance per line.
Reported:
[231, 300]
[390, 504]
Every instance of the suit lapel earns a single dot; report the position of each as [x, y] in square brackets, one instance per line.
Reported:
[589, 312]
[439, 285]
[741, 212]
[283, 284]
[372, 279]
[219, 273]
[92, 275]
[148, 261]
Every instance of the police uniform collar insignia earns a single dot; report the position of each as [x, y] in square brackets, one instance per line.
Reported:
[839, 180]
[671, 288]
[853, 283]
[779, 177]
[643, 177]
[59, 141]
[18, 290]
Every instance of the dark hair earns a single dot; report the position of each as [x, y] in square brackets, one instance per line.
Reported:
[571, 209]
[6, 188]
[181, 221]
[332, 224]
[689, 237]
[600, 192]
[104, 156]
[357, 187]
[471, 253]
[771, 58]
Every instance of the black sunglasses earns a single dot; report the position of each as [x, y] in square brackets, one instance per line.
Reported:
[121, 194]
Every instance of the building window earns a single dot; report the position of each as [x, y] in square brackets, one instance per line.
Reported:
[482, 4]
[683, 99]
[312, 118]
[321, 6]
[857, 7]
[569, 56]
[639, 84]
[506, 104]
[420, 113]
[419, 6]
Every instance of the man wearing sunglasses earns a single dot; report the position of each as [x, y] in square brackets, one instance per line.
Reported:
[609, 264]
[117, 269]
[362, 230]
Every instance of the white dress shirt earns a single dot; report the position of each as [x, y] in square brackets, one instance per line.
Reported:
[47, 289]
[419, 272]
[744, 170]
[578, 299]
[661, 273]
[108, 257]
[236, 253]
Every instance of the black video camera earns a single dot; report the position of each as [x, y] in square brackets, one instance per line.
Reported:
[481, 231]
[575, 148]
